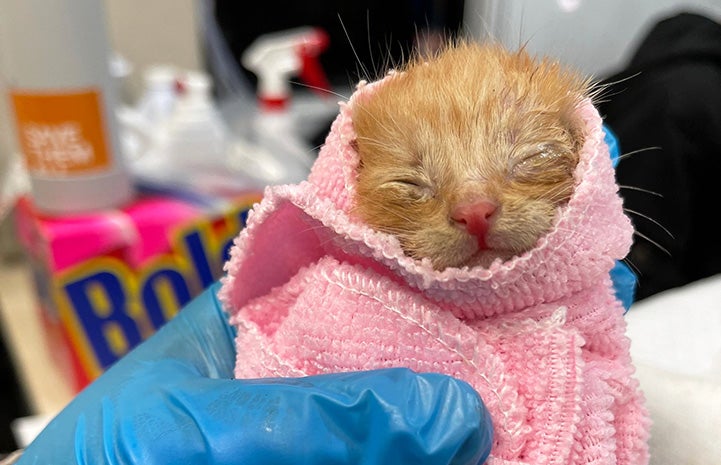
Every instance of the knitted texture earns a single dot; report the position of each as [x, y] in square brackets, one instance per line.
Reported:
[313, 290]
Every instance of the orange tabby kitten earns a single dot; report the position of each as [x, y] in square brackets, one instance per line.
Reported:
[466, 156]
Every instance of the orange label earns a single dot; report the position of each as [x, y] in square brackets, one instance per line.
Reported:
[61, 134]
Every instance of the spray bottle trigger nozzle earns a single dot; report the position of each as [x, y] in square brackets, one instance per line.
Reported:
[311, 71]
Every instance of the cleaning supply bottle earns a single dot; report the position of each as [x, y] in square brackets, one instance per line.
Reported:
[196, 133]
[192, 149]
[56, 65]
[274, 58]
[160, 94]
[139, 123]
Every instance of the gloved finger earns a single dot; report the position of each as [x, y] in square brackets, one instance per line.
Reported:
[391, 416]
[381, 417]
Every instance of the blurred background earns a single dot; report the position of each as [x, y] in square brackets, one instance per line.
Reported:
[206, 102]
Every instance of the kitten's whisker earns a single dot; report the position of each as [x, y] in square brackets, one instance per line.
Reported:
[370, 47]
[395, 213]
[628, 154]
[598, 93]
[320, 89]
[556, 193]
[662, 248]
[640, 189]
[311, 228]
[634, 212]
[363, 71]
[374, 143]
[631, 265]
[574, 233]
[327, 241]
[468, 32]
[401, 216]
[627, 78]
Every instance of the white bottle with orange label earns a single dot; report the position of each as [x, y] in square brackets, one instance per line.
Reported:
[56, 66]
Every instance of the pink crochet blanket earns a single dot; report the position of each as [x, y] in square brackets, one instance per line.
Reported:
[541, 337]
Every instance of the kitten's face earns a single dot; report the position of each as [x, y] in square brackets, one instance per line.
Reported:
[467, 159]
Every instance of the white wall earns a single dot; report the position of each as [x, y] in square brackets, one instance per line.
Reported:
[596, 36]
[152, 31]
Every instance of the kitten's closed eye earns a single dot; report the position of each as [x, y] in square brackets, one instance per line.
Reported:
[541, 157]
[545, 163]
[416, 189]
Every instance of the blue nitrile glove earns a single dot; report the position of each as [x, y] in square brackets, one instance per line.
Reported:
[624, 283]
[172, 401]
[624, 280]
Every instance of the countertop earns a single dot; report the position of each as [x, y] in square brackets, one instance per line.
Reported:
[46, 387]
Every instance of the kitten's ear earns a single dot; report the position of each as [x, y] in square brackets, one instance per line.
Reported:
[578, 136]
[354, 146]
[574, 127]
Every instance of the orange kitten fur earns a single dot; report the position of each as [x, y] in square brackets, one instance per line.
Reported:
[466, 156]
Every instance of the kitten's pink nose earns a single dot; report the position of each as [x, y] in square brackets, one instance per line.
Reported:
[475, 217]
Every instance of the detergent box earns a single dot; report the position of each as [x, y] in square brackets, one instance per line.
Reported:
[107, 281]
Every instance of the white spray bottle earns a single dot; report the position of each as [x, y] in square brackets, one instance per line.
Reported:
[275, 58]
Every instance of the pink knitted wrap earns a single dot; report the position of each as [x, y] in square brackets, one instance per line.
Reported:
[541, 337]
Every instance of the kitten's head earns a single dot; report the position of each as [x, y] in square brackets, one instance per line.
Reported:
[466, 157]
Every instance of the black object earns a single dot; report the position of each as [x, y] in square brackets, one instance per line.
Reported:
[12, 399]
[364, 35]
[667, 105]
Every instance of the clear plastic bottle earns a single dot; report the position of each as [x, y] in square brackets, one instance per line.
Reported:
[196, 133]
[62, 97]
[160, 94]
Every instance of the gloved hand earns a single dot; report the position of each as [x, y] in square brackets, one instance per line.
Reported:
[173, 400]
